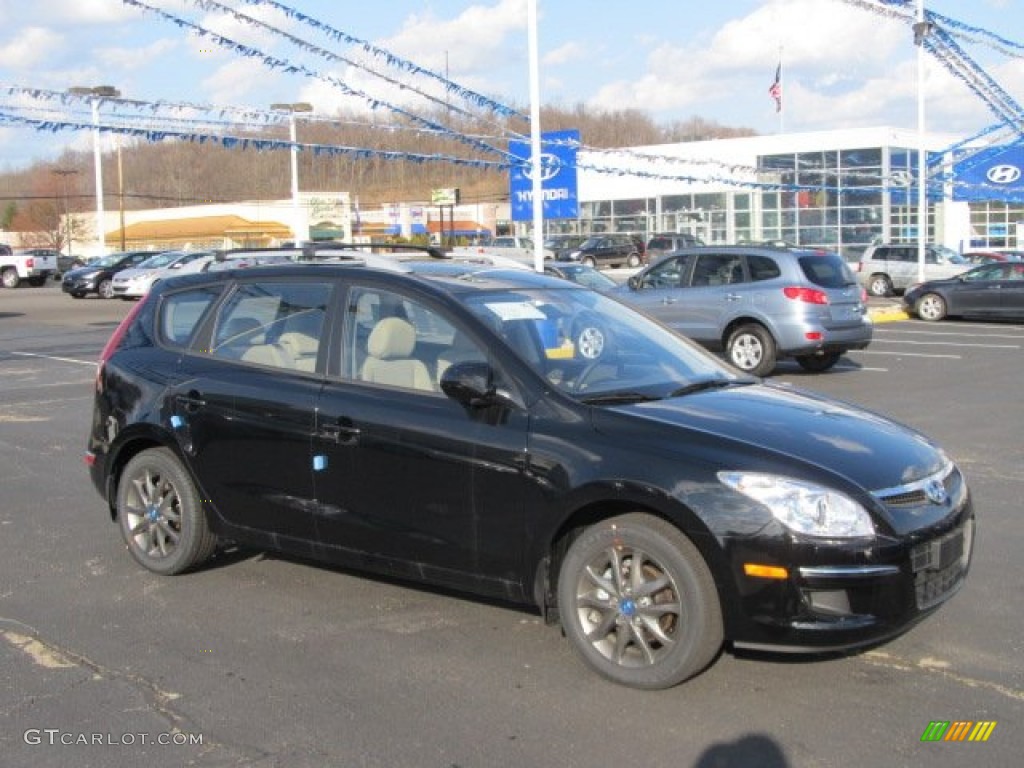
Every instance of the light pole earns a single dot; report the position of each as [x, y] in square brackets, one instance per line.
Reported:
[299, 229]
[96, 94]
[64, 173]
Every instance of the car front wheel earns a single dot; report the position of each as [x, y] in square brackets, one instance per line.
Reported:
[106, 289]
[588, 261]
[161, 518]
[633, 260]
[751, 349]
[931, 307]
[638, 602]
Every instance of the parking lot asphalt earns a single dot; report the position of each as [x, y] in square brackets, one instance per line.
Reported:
[260, 660]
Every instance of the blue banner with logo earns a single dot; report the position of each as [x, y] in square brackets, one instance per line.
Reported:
[996, 173]
[558, 176]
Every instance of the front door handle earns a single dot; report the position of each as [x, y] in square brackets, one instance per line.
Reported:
[191, 402]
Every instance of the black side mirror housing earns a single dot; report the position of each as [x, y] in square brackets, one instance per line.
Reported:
[469, 383]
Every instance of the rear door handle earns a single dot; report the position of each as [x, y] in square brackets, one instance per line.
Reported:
[191, 402]
[342, 431]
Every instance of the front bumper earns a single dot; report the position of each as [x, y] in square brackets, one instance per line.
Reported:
[837, 598]
[78, 285]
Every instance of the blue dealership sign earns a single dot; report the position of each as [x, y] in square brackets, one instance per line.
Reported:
[558, 183]
[996, 173]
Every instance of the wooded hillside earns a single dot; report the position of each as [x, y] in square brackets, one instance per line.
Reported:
[176, 173]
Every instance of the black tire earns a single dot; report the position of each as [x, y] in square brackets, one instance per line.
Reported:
[879, 286]
[588, 261]
[751, 349]
[77, 295]
[649, 629]
[818, 363]
[633, 260]
[9, 278]
[105, 288]
[931, 307]
[35, 282]
[160, 515]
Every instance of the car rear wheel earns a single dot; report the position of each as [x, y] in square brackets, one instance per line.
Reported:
[10, 278]
[751, 349]
[588, 261]
[638, 602]
[105, 289]
[880, 285]
[931, 307]
[818, 363]
[633, 260]
[160, 514]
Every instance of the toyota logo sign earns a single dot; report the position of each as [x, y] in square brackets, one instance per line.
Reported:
[1003, 174]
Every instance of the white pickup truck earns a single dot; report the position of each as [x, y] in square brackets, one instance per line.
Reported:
[33, 266]
[517, 248]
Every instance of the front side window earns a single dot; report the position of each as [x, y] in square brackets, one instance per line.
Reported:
[393, 340]
[667, 274]
[275, 324]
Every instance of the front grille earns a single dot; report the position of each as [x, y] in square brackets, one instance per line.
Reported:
[913, 495]
[939, 565]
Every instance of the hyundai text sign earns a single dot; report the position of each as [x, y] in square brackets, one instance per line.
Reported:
[996, 173]
[558, 176]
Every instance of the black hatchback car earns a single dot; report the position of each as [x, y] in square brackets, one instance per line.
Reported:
[98, 275]
[443, 426]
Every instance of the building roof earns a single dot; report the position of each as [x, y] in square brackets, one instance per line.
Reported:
[202, 228]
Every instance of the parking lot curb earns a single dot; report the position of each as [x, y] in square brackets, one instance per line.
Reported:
[887, 314]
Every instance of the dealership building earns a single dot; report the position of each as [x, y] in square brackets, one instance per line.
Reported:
[839, 190]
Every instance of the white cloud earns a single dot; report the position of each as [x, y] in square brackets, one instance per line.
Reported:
[30, 48]
[564, 54]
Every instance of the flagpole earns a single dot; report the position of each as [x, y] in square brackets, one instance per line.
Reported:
[782, 112]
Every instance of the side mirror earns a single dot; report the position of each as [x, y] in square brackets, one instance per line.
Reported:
[469, 383]
[634, 282]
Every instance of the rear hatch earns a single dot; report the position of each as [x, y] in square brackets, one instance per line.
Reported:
[828, 272]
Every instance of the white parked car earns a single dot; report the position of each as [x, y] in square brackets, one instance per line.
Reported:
[136, 282]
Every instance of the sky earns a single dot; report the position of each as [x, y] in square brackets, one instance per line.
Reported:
[844, 63]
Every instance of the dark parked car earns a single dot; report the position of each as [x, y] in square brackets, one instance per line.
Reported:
[606, 250]
[98, 275]
[561, 245]
[757, 304]
[443, 427]
[668, 242]
[992, 290]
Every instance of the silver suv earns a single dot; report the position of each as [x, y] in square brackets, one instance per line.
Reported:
[757, 304]
[885, 269]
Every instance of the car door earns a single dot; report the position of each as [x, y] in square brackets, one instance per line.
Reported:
[657, 291]
[245, 411]
[979, 292]
[717, 291]
[407, 475]
[1012, 292]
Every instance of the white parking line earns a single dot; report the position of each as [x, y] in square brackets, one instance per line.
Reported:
[53, 357]
[909, 354]
[894, 332]
[947, 344]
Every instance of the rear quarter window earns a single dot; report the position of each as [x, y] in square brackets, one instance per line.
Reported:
[181, 314]
[826, 270]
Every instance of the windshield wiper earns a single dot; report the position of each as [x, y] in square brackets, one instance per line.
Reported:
[706, 384]
[618, 398]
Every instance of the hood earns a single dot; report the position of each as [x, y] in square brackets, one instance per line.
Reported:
[871, 451]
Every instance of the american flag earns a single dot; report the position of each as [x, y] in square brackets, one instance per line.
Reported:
[775, 89]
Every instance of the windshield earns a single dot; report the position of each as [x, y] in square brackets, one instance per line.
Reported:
[594, 348]
[160, 260]
[948, 254]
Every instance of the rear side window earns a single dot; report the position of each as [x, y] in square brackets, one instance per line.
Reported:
[276, 324]
[762, 267]
[181, 314]
[826, 270]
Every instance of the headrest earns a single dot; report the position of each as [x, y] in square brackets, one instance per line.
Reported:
[391, 338]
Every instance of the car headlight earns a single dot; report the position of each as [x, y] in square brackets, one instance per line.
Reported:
[806, 508]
